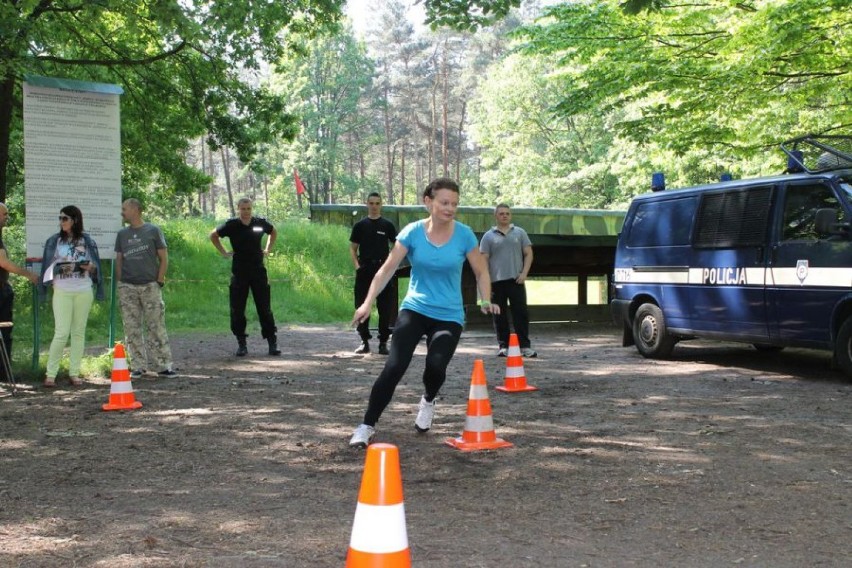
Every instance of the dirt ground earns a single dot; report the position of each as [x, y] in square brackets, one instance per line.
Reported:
[722, 456]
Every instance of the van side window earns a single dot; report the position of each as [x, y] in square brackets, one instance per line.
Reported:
[662, 223]
[800, 208]
[733, 219]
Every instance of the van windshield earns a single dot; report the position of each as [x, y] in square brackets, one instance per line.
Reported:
[846, 187]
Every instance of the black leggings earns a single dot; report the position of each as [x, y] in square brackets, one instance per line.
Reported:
[442, 337]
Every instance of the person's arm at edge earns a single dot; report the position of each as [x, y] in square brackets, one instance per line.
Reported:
[528, 260]
[217, 242]
[10, 266]
[270, 241]
[119, 259]
[353, 252]
[483, 280]
[163, 253]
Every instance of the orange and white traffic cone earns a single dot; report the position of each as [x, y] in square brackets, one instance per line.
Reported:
[379, 538]
[516, 378]
[121, 390]
[478, 426]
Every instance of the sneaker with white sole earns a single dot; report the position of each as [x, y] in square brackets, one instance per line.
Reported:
[362, 437]
[137, 373]
[425, 414]
[502, 352]
[529, 352]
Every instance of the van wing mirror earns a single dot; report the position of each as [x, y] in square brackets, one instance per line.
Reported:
[826, 223]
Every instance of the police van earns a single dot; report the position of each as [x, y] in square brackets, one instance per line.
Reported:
[765, 261]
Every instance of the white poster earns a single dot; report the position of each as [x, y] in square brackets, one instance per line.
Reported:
[72, 156]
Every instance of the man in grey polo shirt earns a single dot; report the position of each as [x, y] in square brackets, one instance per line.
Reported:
[141, 261]
[508, 250]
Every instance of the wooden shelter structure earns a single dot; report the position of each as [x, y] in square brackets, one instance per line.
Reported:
[576, 243]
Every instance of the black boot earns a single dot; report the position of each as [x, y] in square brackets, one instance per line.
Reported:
[242, 349]
[273, 345]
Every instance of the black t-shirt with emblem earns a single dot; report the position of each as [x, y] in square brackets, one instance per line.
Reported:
[372, 237]
[245, 240]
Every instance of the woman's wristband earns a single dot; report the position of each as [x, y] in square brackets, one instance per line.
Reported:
[484, 304]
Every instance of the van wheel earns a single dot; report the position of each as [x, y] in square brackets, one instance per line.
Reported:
[766, 348]
[650, 334]
[843, 347]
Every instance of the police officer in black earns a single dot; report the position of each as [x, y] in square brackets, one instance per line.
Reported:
[368, 245]
[248, 273]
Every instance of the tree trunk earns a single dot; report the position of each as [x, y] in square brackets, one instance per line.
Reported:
[202, 203]
[402, 176]
[461, 138]
[418, 180]
[434, 126]
[266, 192]
[445, 81]
[388, 148]
[226, 170]
[7, 88]
[212, 193]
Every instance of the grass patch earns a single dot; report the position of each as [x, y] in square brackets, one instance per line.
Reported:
[310, 273]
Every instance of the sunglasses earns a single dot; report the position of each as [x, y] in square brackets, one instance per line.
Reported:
[64, 218]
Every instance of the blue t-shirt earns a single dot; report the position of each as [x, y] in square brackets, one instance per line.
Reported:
[435, 286]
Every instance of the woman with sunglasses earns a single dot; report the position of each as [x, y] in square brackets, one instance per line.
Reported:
[70, 264]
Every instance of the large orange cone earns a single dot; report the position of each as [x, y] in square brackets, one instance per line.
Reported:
[121, 390]
[516, 378]
[478, 426]
[379, 538]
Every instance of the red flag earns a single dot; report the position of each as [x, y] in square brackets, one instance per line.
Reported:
[300, 187]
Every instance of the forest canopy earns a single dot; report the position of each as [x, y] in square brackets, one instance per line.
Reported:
[553, 104]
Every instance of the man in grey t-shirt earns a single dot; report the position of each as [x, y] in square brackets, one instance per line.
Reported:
[141, 261]
[508, 250]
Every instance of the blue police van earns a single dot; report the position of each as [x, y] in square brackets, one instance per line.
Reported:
[764, 261]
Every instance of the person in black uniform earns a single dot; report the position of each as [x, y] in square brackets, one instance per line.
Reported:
[248, 273]
[368, 245]
[7, 295]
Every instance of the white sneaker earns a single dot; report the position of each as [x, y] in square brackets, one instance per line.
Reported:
[529, 352]
[362, 437]
[425, 415]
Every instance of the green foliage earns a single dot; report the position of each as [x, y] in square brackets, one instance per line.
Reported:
[325, 88]
[718, 74]
[599, 95]
[187, 68]
[532, 155]
[467, 14]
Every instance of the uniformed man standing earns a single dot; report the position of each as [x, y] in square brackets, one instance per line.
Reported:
[368, 245]
[248, 272]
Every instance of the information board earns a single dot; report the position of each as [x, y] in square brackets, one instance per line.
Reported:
[72, 156]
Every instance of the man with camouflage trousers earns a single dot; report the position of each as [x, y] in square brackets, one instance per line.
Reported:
[141, 261]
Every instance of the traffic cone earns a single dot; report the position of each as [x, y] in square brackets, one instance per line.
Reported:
[121, 390]
[516, 379]
[379, 538]
[478, 426]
